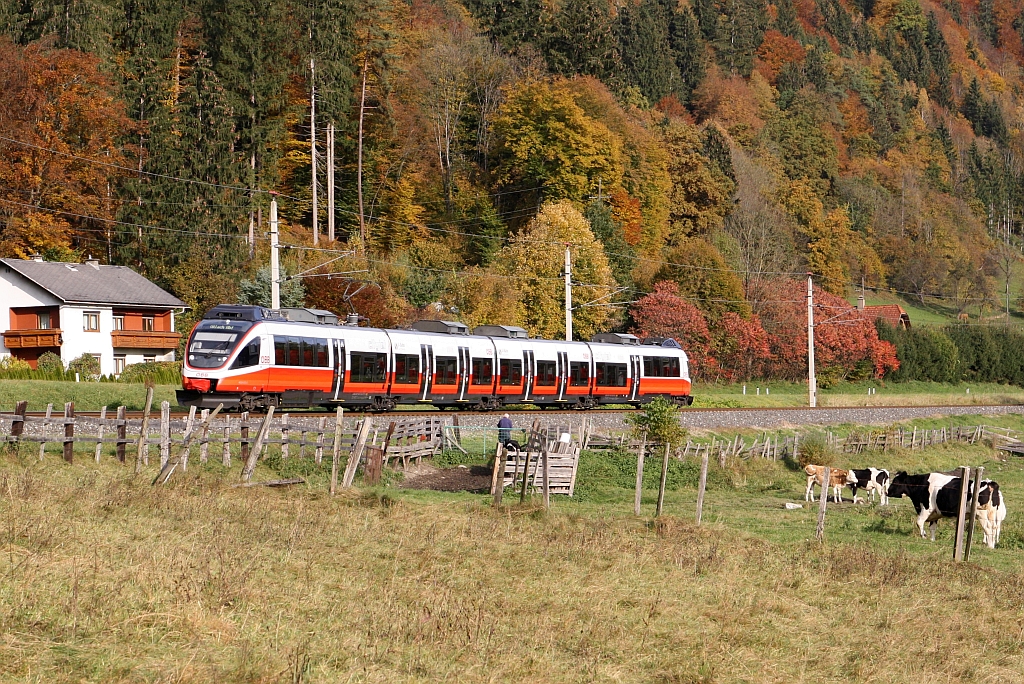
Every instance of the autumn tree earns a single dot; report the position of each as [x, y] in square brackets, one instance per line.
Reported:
[548, 147]
[535, 257]
[66, 112]
[704, 278]
[666, 313]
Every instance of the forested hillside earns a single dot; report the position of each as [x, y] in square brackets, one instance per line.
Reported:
[697, 156]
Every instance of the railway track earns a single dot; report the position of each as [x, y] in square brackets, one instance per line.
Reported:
[590, 412]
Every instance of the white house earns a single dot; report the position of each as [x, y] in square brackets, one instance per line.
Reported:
[110, 312]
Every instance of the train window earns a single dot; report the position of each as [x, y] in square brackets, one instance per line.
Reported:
[213, 341]
[483, 372]
[611, 375]
[446, 370]
[249, 356]
[661, 367]
[310, 352]
[368, 367]
[547, 375]
[511, 372]
[407, 369]
[579, 374]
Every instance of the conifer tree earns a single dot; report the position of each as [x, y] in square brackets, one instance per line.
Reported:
[938, 51]
[689, 49]
[645, 50]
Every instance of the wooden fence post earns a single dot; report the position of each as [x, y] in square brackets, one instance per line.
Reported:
[165, 433]
[819, 532]
[498, 474]
[335, 456]
[958, 543]
[254, 454]
[357, 452]
[526, 476]
[122, 433]
[18, 424]
[321, 426]
[544, 481]
[701, 486]
[973, 512]
[186, 438]
[661, 485]
[285, 432]
[225, 456]
[244, 433]
[69, 432]
[639, 474]
[204, 444]
[142, 455]
[42, 445]
[99, 432]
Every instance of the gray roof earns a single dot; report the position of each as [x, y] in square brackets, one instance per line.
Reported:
[93, 284]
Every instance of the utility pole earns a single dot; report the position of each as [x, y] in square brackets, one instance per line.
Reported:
[330, 182]
[275, 262]
[312, 144]
[568, 295]
[812, 381]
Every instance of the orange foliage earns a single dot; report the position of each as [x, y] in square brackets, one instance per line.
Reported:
[776, 51]
[808, 16]
[55, 100]
[732, 102]
[626, 211]
[671, 107]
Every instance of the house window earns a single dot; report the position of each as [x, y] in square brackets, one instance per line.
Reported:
[149, 359]
[147, 324]
[119, 322]
[43, 320]
[119, 363]
[91, 321]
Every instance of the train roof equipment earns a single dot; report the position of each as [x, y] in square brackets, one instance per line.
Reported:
[444, 327]
[510, 331]
[616, 338]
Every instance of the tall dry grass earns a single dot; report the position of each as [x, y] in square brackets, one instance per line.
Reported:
[108, 579]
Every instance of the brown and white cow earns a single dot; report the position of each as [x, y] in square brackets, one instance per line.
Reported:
[816, 475]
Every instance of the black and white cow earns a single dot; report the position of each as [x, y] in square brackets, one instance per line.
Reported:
[934, 495]
[937, 495]
[991, 511]
[871, 480]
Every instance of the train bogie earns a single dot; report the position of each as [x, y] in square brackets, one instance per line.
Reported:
[248, 358]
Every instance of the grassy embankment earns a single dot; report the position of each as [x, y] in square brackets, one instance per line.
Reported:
[90, 396]
[108, 579]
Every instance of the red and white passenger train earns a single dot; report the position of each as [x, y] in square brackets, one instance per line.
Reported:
[248, 357]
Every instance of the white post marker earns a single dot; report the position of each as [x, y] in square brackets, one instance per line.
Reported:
[275, 260]
[568, 295]
[812, 381]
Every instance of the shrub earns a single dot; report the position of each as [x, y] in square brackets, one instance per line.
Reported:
[50, 363]
[160, 373]
[814, 450]
[13, 363]
[86, 365]
[660, 420]
[924, 354]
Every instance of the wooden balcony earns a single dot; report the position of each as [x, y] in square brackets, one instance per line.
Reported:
[142, 339]
[29, 339]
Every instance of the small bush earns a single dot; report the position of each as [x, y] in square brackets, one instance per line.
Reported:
[814, 450]
[86, 365]
[660, 420]
[13, 363]
[50, 363]
[160, 373]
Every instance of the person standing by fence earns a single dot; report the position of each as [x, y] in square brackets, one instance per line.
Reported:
[505, 431]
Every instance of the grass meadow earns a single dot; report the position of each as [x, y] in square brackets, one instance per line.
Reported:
[107, 579]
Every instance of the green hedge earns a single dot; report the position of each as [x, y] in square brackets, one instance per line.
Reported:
[957, 353]
[159, 373]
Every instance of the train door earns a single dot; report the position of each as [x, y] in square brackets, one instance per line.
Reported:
[527, 374]
[339, 368]
[427, 368]
[634, 366]
[464, 371]
[563, 374]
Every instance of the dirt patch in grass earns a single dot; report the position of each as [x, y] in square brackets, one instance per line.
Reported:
[474, 478]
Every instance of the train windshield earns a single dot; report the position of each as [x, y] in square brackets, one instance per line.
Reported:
[213, 342]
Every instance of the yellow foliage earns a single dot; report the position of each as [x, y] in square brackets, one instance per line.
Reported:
[827, 235]
[535, 259]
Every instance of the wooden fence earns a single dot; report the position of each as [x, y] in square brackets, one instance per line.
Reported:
[220, 437]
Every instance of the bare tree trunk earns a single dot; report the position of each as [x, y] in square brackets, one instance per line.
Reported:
[359, 163]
